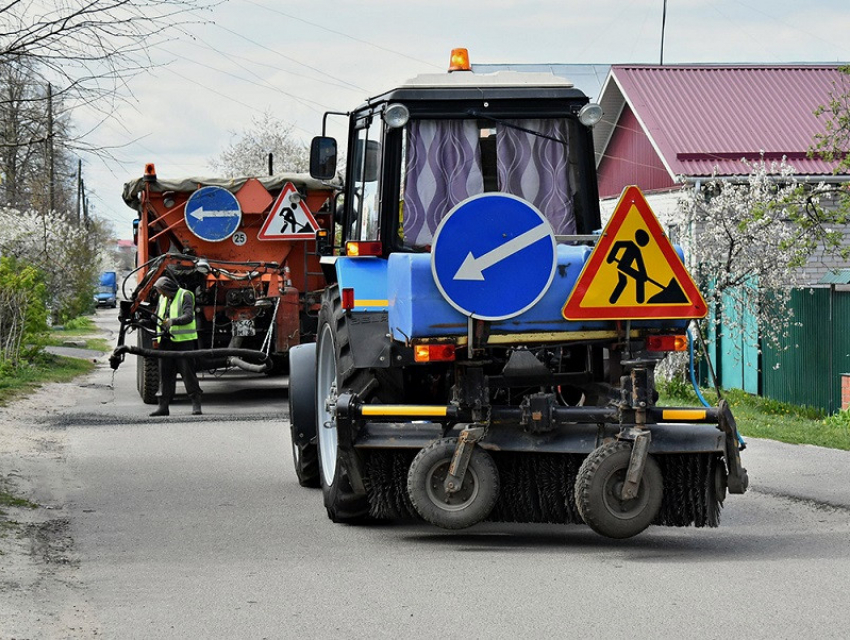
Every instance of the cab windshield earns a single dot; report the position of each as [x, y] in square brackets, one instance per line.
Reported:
[447, 161]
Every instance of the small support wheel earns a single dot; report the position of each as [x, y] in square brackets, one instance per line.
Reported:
[599, 486]
[470, 504]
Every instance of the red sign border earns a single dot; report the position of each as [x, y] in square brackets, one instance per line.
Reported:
[274, 211]
[632, 196]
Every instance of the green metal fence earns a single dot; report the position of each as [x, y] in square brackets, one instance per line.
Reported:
[807, 369]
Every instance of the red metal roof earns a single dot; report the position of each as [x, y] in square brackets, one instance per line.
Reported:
[706, 117]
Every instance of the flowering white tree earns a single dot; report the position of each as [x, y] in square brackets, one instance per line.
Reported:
[69, 256]
[749, 239]
[834, 142]
[248, 154]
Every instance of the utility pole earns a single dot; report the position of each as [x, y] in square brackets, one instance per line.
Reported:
[50, 161]
[663, 24]
[79, 189]
[271, 163]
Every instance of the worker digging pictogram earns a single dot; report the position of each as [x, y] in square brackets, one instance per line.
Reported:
[630, 264]
[289, 219]
[634, 272]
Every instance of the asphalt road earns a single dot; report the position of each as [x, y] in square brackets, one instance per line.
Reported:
[196, 528]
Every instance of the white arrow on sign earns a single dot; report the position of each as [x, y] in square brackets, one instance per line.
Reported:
[202, 213]
[472, 267]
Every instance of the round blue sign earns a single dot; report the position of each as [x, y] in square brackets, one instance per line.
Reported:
[493, 256]
[212, 214]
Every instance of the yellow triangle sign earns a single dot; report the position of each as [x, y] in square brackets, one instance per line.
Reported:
[633, 272]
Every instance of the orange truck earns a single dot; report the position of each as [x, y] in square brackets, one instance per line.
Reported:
[246, 248]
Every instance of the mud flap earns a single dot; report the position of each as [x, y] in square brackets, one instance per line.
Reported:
[738, 479]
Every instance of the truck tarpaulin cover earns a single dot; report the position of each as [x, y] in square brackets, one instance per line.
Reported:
[271, 183]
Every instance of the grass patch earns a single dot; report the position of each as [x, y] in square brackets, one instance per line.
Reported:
[78, 326]
[46, 368]
[7, 500]
[59, 339]
[765, 418]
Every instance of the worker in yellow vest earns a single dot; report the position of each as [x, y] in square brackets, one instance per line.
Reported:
[176, 311]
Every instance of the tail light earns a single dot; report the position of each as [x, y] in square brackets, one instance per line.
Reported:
[359, 249]
[434, 352]
[348, 299]
[667, 343]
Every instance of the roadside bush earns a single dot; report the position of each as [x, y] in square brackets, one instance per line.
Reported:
[23, 313]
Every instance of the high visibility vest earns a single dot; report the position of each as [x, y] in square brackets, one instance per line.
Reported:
[182, 332]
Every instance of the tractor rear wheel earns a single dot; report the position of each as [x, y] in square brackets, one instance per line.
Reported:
[302, 413]
[464, 508]
[598, 489]
[340, 469]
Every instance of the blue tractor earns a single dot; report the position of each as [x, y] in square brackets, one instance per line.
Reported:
[483, 351]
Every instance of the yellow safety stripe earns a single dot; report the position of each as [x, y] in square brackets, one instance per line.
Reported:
[402, 410]
[683, 414]
[371, 303]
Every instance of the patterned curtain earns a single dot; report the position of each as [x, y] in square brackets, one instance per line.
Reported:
[443, 169]
[535, 169]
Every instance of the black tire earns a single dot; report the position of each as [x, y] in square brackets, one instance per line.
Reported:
[470, 505]
[340, 469]
[302, 414]
[147, 374]
[597, 492]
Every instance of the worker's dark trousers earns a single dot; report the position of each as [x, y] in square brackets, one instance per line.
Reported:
[168, 368]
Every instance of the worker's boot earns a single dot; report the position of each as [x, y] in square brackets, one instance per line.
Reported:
[196, 404]
[162, 410]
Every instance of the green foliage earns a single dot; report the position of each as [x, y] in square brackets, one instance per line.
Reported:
[80, 324]
[833, 144]
[679, 388]
[23, 312]
[759, 417]
[43, 368]
[839, 419]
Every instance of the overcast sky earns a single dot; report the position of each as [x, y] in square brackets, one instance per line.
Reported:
[302, 58]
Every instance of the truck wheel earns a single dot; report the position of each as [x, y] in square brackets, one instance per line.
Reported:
[302, 413]
[339, 467]
[467, 507]
[599, 485]
[147, 374]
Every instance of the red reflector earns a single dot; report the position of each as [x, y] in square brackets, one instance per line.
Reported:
[348, 299]
[667, 343]
[356, 249]
[434, 352]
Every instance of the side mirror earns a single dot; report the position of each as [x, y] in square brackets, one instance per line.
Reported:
[323, 158]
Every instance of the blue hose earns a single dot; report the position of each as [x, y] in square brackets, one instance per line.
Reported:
[692, 369]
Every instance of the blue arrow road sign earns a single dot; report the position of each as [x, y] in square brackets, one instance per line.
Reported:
[212, 214]
[493, 256]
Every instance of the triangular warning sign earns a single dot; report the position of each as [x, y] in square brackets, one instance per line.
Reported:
[290, 219]
[634, 273]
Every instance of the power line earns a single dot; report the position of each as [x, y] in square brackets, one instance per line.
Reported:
[285, 57]
[343, 34]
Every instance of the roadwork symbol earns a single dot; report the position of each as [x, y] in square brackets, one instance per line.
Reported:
[289, 219]
[634, 272]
